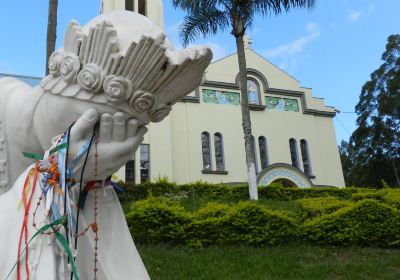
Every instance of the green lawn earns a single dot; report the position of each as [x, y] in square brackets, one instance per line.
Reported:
[282, 262]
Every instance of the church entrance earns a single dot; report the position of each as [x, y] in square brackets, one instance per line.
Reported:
[285, 174]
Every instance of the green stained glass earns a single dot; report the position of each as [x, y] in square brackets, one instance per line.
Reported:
[220, 97]
[281, 104]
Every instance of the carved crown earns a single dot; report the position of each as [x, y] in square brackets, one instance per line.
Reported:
[142, 77]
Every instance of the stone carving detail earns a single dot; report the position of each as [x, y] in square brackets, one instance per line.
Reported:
[146, 69]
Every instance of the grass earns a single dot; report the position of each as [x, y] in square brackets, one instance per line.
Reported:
[282, 262]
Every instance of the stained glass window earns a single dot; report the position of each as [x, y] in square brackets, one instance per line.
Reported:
[219, 152]
[206, 150]
[262, 145]
[293, 152]
[305, 157]
[253, 92]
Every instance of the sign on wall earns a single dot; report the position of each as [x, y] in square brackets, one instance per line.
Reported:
[283, 172]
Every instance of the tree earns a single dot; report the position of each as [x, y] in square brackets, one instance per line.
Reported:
[51, 31]
[375, 143]
[208, 17]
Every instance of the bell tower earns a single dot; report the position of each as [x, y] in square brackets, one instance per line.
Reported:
[153, 9]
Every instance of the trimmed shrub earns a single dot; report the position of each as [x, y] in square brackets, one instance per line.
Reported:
[367, 222]
[210, 225]
[368, 194]
[253, 224]
[314, 207]
[391, 197]
[158, 220]
[220, 191]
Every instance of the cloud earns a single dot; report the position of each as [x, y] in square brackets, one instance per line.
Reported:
[173, 34]
[354, 16]
[296, 46]
[288, 53]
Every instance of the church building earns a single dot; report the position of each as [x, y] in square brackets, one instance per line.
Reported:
[202, 139]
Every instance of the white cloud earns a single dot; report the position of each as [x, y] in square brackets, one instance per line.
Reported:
[218, 50]
[354, 16]
[288, 53]
[173, 34]
[296, 46]
[371, 9]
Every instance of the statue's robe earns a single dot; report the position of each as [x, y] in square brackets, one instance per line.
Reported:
[117, 255]
[17, 103]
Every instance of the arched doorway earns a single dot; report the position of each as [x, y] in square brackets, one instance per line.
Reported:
[285, 182]
[287, 175]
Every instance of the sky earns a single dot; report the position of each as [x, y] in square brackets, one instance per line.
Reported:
[333, 48]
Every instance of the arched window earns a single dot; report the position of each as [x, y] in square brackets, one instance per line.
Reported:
[262, 145]
[129, 5]
[219, 152]
[206, 150]
[142, 7]
[306, 157]
[253, 92]
[293, 152]
[130, 171]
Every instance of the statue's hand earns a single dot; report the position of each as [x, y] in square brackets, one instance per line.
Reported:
[117, 141]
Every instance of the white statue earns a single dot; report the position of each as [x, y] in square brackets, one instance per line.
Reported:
[112, 77]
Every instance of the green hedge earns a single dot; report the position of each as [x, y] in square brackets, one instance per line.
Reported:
[314, 207]
[160, 220]
[367, 222]
[215, 191]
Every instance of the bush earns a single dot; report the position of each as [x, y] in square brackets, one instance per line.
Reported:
[314, 207]
[164, 221]
[391, 197]
[367, 222]
[157, 220]
[225, 192]
[253, 224]
[210, 225]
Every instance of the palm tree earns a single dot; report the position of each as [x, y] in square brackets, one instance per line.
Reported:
[51, 31]
[207, 17]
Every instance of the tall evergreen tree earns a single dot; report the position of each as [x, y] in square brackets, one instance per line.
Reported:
[51, 31]
[208, 17]
[376, 141]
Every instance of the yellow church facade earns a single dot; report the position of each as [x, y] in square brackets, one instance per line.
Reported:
[202, 139]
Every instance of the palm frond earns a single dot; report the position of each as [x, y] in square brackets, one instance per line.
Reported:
[276, 7]
[193, 5]
[202, 23]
